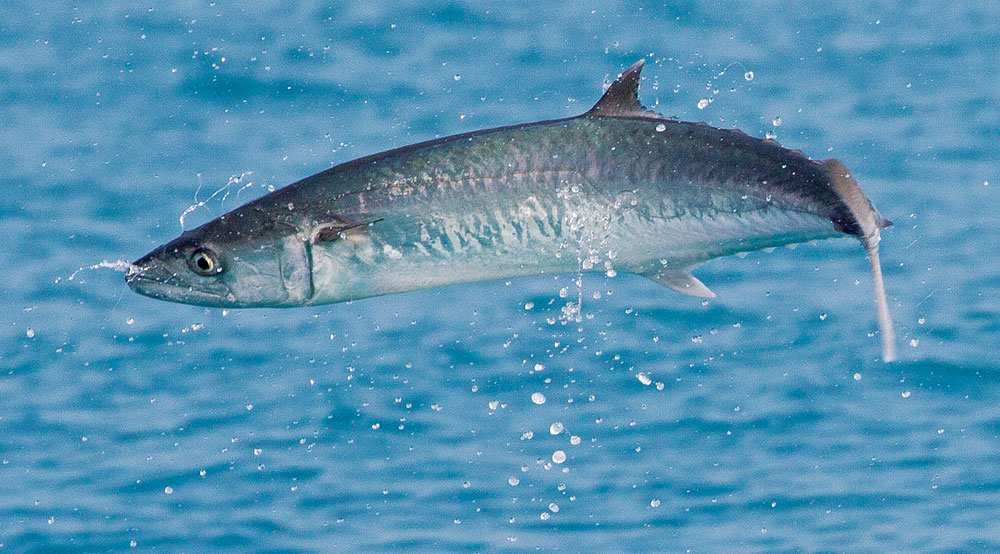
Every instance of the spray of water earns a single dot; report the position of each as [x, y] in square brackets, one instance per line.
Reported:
[888, 335]
[225, 191]
[129, 269]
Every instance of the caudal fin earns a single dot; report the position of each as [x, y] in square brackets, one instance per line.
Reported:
[866, 222]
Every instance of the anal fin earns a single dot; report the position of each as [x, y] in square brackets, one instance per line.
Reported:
[681, 281]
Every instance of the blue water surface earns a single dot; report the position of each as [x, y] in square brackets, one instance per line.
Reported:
[760, 421]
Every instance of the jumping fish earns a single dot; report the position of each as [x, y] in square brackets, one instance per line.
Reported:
[619, 189]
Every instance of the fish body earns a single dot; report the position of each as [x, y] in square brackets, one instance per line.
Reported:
[619, 189]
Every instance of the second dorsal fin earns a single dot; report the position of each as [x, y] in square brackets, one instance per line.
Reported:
[622, 97]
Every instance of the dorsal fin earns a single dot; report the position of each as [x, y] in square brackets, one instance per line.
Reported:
[622, 97]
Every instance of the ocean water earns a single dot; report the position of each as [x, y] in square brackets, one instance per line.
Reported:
[759, 421]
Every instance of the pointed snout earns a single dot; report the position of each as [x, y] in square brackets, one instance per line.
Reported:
[152, 276]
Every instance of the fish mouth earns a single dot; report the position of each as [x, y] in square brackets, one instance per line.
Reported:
[166, 286]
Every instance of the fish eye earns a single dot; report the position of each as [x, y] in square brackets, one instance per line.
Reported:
[204, 262]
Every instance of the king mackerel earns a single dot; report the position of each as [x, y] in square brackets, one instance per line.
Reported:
[619, 189]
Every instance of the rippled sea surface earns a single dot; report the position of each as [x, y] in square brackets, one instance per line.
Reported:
[761, 421]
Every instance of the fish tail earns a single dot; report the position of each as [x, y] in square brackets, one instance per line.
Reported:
[861, 218]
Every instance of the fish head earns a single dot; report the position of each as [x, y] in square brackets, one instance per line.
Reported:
[235, 261]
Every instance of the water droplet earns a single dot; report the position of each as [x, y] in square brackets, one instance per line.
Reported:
[905, 394]
[538, 398]
[558, 456]
[545, 516]
[529, 305]
[655, 502]
[857, 376]
[30, 333]
[556, 428]
[168, 490]
[458, 77]
[553, 507]
[513, 481]
[776, 122]
[748, 75]
[660, 128]
[703, 103]
[574, 440]
[914, 342]
[644, 379]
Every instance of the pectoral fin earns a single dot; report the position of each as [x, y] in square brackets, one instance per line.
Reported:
[682, 281]
[336, 230]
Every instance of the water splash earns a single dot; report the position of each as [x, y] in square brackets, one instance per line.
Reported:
[587, 224]
[129, 269]
[888, 335]
[713, 90]
[225, 190]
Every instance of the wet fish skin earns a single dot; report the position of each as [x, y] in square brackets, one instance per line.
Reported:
[618, 189]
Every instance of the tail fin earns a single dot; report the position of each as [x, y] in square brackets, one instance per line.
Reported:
[866, 222]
